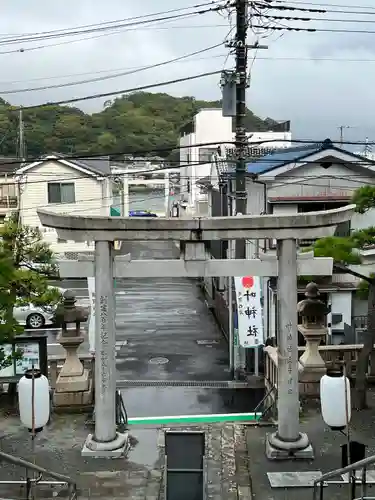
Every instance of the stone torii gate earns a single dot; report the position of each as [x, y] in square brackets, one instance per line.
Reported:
[196, 262]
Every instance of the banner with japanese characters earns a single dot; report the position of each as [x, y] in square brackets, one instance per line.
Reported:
[91, 289]
[249, 308]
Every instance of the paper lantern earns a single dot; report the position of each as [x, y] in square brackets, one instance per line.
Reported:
[41, 400]
[334, 400]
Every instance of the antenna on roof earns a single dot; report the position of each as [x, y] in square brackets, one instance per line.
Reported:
[367, 149]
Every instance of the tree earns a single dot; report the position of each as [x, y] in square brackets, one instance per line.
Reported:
[346, 251]
[26, 263]
[133, 122]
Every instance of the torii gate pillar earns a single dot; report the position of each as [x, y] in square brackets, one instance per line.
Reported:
[287, 442]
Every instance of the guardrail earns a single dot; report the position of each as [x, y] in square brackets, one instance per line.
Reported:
[362, 465]
[32, 482]
[335, 356]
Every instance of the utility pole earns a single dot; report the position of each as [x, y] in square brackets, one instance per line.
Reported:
[240, 137]
[341, 129]
[22, 157]
[240, 208]
[21, 137]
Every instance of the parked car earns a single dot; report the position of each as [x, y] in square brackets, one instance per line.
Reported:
[141, 213]
[36, 317]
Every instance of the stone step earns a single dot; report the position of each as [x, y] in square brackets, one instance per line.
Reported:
[124, 484]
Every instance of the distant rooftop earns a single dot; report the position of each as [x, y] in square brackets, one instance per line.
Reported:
[99, 165]
[284, 156]
[9, 164]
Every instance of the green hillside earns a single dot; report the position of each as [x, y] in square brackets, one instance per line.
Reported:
[139, 121]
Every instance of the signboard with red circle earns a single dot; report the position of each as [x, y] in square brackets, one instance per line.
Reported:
[248, 282]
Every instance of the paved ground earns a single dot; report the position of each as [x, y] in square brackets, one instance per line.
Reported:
[166, 318]
[138, 477]
[327, 448]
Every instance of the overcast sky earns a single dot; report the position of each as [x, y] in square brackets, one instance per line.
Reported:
[317, 96]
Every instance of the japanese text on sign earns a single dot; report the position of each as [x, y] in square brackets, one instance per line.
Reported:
[249, 308]
[103, 312]
[289, 360]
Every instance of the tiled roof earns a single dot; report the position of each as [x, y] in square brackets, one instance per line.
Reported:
[97, 165]
[8, 165]
[281, 157]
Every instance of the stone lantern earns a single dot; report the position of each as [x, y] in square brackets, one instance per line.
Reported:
[313, 313]
[73, 386]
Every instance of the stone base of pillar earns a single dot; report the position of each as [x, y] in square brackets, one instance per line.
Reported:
[277, 449]
[66, 396]
[117, 448]
[73, 383]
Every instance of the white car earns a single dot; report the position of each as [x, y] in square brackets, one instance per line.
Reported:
[36, 317]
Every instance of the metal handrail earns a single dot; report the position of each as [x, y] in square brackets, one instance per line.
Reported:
[362, 464]
[260, 404]
[59, 478]
[121, 413]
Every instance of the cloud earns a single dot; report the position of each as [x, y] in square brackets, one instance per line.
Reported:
[288, 82]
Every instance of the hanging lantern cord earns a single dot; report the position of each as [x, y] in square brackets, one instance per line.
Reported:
[351, 474]
[32, 423]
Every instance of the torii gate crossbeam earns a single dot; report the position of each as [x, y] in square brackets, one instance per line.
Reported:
[193, 233]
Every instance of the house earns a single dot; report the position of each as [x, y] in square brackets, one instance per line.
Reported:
[8, 186]
[215, 133]
[299, 179]
[70, 185]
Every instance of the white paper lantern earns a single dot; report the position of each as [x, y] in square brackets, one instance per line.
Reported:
[334, 398]
[41, 400]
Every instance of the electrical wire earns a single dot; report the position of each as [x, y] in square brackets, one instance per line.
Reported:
[169, 149]
[304, 19]
[316, 30]
[121, 24]
[117, 92]
[341, 6]
[162, 195]
[328, 59]
[94, 72]
[67, 42]
[116, 21]
[117, 75]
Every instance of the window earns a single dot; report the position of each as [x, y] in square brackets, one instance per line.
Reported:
[61, 192]
[205, 154]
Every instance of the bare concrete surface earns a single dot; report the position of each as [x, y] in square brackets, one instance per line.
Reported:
[327, 448]
[137, 477]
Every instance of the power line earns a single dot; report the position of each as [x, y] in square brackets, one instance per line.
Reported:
[92, 37]
[117, 92]
[109, 77]
[98, 72]
[295, 2]
[116, 21]
[313, 30]
[168, 149]
[322, 11]
[121, 24]
[161, 196]
[328, 59]
[325, 19]
[219, 56]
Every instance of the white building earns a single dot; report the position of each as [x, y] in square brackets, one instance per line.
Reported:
[305, 179]
[72, 186]
[210, 127]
